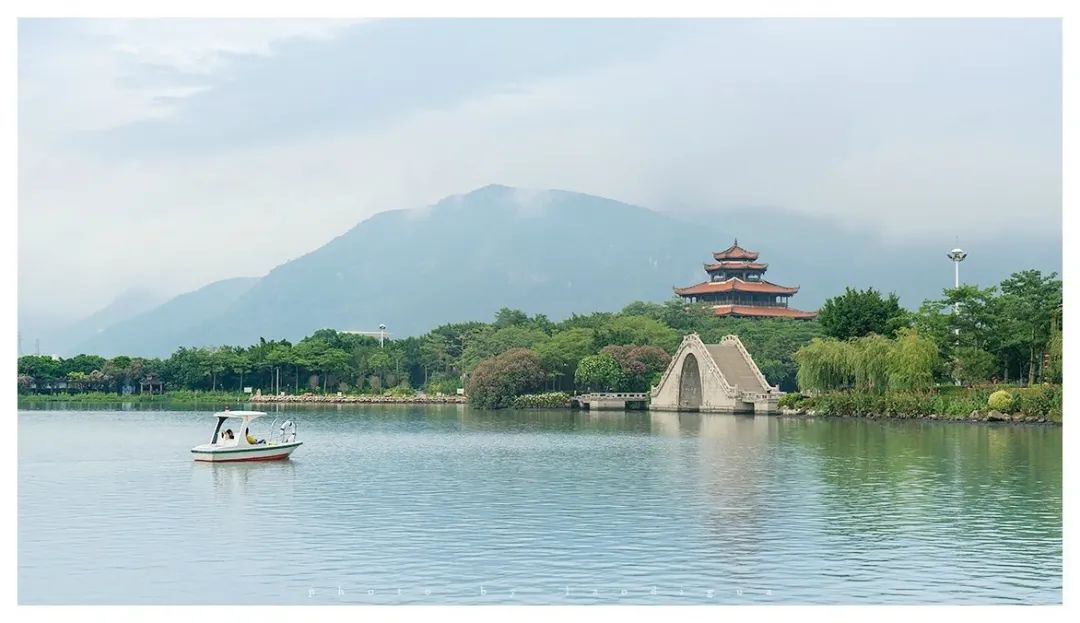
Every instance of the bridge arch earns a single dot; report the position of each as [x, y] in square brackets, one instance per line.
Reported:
[690, 384]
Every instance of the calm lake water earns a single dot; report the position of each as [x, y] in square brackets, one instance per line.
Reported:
[446, 505]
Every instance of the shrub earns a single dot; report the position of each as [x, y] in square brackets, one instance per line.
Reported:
[495, 382]
[400, 391]
[599, 372]
[790, 400]
[549, 400]
[1042, 401]
[1001, 400]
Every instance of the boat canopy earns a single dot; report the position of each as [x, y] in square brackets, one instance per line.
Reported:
[251, 415]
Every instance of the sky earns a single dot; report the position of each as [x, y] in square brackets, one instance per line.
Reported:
[168, 154]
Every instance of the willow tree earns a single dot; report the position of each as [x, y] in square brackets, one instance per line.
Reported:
[825, 364]
[870, 359]
[913, 361]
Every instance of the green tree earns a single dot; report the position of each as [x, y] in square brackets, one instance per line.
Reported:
[871, 355]
[1032, 301]
[599, 373]
[495, 382]
[913, 361]
[972, 365]
[856, 313]
[825, 364]
[561, 353]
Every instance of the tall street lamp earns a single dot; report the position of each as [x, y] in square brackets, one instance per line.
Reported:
[957, 256]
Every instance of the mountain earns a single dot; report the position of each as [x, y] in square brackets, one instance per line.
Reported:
[131, 303]
[176, 322]
[549, 251]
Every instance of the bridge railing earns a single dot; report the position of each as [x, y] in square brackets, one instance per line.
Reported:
[610, 395]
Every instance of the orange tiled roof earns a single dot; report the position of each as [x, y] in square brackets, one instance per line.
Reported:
[763, 312]
[735, 285]
[736, 265]
[735, 252]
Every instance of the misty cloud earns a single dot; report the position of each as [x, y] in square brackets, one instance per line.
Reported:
[171, 159]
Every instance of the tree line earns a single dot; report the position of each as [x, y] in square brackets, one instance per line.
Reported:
[1006, 333]
[622, 350]
[861, 340]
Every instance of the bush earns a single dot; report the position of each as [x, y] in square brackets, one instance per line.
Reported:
[1001, 400]
[549, 400]
[442, 385]
[1043, 401]
[599, 373]
[495, 382]
[400, 391]
[790, 400]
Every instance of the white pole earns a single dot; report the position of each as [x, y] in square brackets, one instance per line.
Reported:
[957, 279]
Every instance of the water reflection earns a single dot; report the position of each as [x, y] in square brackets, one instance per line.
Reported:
[449, 498]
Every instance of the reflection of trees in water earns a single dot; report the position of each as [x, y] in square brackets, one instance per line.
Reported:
[877, 479]
[554, 420]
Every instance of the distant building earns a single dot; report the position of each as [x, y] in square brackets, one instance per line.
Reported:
[736, 287]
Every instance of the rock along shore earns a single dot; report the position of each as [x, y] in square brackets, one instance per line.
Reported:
[974, 416]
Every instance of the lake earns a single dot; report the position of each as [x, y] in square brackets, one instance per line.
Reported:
[450, 505]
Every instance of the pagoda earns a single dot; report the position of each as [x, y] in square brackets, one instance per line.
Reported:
[737, 287]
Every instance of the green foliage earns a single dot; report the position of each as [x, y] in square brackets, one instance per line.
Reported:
[1042, 401]
[912, 361]
[1054, 371]
[599, 373]
[825, 364]
[857, 313]
[1002, 401]
[495, 382]
[791, 400]
[442, 385]
[640, 364]
[871, 356]
[972, 365]
[549, 400]
[400, 391]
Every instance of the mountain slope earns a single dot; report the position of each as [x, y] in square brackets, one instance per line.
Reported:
[551, 252]
[177, 322]
[129, 304]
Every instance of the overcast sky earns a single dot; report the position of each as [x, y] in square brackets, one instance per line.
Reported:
[173, 153]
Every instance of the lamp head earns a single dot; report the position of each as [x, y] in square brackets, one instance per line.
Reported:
[956, 255]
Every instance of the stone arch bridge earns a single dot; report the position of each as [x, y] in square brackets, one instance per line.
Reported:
[713, 377]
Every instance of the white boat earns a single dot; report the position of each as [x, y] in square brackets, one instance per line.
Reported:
[241, 444]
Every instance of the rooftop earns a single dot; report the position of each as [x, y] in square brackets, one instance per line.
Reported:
[735, 252]
[763, 312]
[736, 285]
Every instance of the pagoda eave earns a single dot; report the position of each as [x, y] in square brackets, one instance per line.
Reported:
[747, 311]
[736, 285]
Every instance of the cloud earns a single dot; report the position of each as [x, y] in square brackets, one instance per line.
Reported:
[222, 150]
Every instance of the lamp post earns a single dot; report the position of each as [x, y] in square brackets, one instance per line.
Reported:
[382, 334]
[957, 256]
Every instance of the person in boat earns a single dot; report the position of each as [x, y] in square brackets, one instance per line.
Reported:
[251, 438]
[228, 434]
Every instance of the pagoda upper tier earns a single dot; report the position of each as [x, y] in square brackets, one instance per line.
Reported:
[735, 252]
[736, 287]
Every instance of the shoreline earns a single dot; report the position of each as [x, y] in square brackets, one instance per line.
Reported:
[992, 417]
[358, 399]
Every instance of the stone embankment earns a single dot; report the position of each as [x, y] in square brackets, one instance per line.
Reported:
[974, 416]
[361, 399]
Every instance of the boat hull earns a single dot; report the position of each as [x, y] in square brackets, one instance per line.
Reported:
[278, 452]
